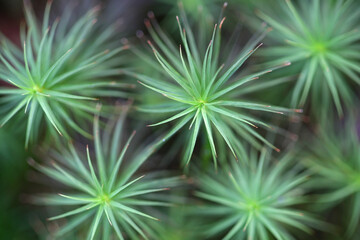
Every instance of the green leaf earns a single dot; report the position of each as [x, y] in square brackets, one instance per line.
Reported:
[95, 223]
[131, 210]
[209, 133]
[76, 211]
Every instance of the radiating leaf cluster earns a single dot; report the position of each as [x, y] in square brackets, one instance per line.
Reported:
[256, 201]
[107, 198]
[335, 161]
[202, 93]
[322, 37]
[58, 73]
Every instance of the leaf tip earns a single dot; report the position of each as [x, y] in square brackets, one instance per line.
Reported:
[221, 23]
[31, 162]
[287, 63]
[147, 23]
[151, 14]
[139, 34]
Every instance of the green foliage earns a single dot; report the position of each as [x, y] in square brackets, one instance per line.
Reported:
[199, 92]
[109, 194]
[323, 38]
[58, 74]
[336, 166]
[201, 10]
[210, 94]
[256, 201]
[190, 6]
[178, 224]
[13, 171]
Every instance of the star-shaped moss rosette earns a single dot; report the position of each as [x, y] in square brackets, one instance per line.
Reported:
[335, 162]
[200, 92]
[61, 69]
[108, 200]
[255, 201]
[322, 38]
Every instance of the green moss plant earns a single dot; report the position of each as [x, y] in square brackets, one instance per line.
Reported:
[335, 162]
[109, 194]
[256, 201]
[322, 37]
[58, 74]
[199, 92]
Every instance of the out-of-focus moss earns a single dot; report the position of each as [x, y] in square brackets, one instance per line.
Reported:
[14, 215]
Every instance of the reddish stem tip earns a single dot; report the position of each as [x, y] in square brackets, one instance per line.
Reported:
[221, 23]
[147, 22]
[151, 14]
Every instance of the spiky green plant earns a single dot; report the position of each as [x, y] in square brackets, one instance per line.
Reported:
[335, 161]
[256, 201]
[108, 195]
[322, 37]
[199, 91]
[62, 68]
